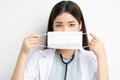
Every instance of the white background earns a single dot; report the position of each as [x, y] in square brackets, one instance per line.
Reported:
[19, 18]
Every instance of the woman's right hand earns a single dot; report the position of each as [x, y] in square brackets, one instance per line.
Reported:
[29, 42]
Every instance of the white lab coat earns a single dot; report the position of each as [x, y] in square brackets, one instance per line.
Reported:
[39, 66]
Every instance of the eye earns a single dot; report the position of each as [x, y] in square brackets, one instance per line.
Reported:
[58, 25]
[72, 25]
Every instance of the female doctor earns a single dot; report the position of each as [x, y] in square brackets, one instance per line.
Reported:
[63, 64]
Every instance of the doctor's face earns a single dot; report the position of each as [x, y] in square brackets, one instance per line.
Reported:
[66, 22]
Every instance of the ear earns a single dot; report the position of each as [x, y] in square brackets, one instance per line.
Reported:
[80, 26]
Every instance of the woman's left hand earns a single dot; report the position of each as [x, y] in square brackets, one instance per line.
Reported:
[97, 46]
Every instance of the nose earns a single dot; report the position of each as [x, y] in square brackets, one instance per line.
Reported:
[65, 28]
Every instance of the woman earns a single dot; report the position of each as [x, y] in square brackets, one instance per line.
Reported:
[63, 64]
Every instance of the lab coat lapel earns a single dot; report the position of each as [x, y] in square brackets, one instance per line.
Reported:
[43, 69]
[46, 64]
[84, 66]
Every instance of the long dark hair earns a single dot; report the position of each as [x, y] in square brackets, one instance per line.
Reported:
[74, 10]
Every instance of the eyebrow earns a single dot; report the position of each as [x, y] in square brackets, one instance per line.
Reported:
[68, 22]
[58, 22]
[71, 21]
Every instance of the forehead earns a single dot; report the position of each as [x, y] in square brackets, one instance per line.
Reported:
[65, 17]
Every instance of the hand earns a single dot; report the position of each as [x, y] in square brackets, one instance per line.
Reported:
[29, 42]
[97, 46]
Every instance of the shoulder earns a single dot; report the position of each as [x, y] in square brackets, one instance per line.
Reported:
[39, 56]
[42, 53]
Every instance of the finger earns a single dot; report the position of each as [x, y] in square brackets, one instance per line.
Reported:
[92, 43]
[33, 36]
[33, 39]
[95, 41]
[33, 42]
[94, 36]
[37, 44]
[34, 45]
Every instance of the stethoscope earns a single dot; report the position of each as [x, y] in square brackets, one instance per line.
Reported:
[66, 64]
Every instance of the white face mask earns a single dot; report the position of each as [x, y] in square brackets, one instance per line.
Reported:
[64, 40]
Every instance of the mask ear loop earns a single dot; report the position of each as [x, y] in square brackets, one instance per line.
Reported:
[41, 35]
[85, 46]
